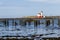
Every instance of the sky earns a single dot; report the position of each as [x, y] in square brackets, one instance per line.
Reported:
[20, 8]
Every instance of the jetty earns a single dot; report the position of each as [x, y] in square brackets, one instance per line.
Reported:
[10, 28]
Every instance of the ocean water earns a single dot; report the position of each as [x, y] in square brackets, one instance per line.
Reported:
[29, 30]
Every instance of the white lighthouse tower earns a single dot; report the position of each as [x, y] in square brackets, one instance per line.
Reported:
[40, 14]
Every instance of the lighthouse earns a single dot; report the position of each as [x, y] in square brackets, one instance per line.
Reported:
[40, 15]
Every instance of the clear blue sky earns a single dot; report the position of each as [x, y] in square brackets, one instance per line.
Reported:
[18, 8]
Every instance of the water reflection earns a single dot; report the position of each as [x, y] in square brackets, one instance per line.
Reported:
[29, 26]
